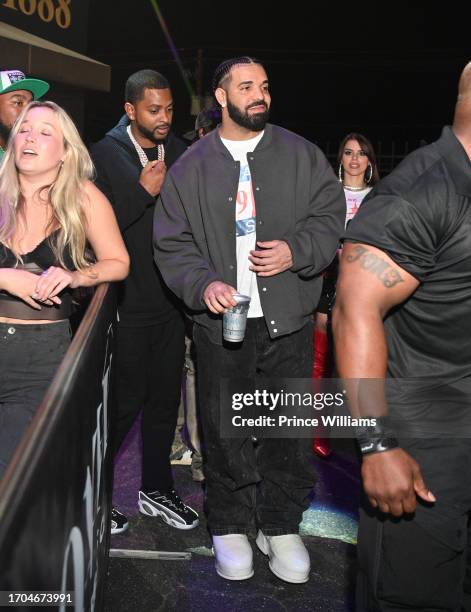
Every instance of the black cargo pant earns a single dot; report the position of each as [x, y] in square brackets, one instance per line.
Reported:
[421, 562]
[148, 375]
[29, 357]
[264, 484]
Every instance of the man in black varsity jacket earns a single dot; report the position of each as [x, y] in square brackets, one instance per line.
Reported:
[131, 162]
[256, 208]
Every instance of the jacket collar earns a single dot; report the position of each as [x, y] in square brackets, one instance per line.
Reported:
[456, 160]
[216, 141]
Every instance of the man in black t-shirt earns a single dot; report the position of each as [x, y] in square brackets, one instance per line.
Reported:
[131, 162]
[403, 312]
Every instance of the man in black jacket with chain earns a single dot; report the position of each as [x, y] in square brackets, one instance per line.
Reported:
[131, 163]
[256, 207]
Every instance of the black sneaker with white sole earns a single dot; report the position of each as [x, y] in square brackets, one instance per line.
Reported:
[119, 522]
[169, 507]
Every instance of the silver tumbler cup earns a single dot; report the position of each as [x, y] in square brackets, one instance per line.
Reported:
[234, 319]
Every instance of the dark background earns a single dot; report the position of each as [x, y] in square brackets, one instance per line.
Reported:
[387, 69]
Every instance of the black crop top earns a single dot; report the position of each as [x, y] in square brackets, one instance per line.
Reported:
[36, 261]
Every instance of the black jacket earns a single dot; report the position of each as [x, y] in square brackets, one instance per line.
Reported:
[298, 199]
[143, 297]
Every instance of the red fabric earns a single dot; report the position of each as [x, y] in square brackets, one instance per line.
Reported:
[320, 368]
[321, 447]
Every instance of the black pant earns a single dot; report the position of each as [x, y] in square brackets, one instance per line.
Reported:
[267, 483]
[149, 366]
[29, 357]
[421, 562]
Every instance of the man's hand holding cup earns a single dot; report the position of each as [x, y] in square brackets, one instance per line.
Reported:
[218, 297]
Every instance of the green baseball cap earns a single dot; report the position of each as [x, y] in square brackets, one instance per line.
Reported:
[12, 80]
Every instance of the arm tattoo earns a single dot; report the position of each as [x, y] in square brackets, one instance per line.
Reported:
[373, 264]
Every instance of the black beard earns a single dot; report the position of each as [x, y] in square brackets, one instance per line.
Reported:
[4, 132]
[149, 134]
[255, 122]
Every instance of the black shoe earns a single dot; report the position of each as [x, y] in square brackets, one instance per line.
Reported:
[119, 522]
[169, 507]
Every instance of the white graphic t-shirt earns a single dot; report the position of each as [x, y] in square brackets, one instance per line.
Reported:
[354, 200]
[245, 220]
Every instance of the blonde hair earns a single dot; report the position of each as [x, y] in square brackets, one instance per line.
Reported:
[66, 195]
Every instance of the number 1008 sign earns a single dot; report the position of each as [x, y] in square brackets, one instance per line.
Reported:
[47, 10]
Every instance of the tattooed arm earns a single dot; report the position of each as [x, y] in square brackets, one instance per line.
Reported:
[375, 262]
[369, 285]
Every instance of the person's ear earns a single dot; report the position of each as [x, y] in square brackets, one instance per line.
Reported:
[221, 96]
[130, 111]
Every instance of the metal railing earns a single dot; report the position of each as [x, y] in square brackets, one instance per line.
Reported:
[55, 492]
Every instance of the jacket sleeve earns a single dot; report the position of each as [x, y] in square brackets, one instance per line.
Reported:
[183, 266]
[118, 179]
[316, 237]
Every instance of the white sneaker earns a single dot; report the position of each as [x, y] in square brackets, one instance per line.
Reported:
[234, 557]
[289, 559]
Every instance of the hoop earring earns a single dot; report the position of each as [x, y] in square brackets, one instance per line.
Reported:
[370, 167]
[340, 172]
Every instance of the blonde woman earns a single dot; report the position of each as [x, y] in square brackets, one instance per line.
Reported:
[50, 212]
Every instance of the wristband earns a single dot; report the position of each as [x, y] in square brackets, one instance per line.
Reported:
[376, 438]
[377, 445]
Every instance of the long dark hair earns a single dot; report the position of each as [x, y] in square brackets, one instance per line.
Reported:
[367, 147]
